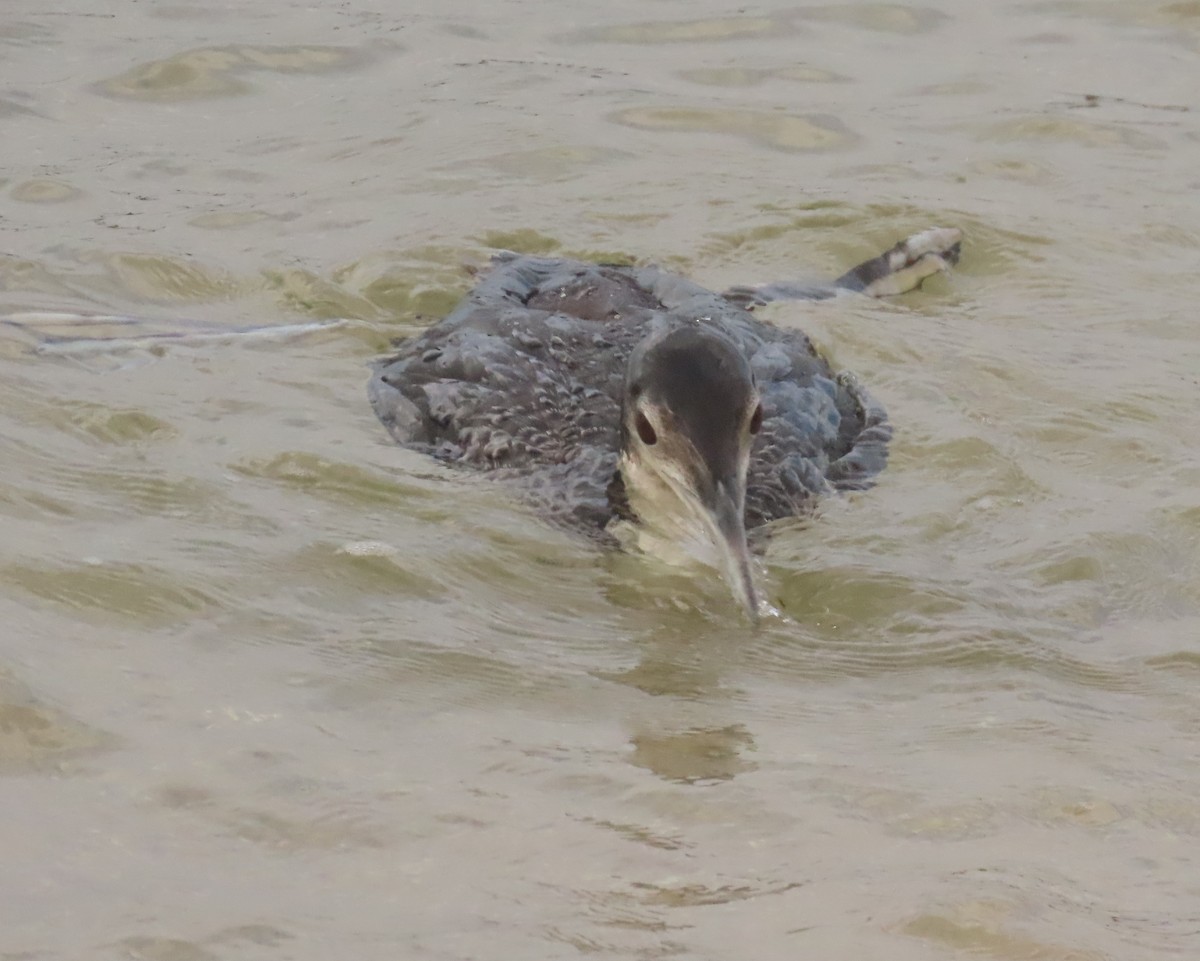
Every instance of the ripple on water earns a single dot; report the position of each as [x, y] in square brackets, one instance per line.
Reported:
[947, 822]
[149, 493]
[156, 948]
[26, 33]
[153, 279]
[11, 108]
[209, 72]
[860, 622]
[545, 164]
[687, 31]
[823, 236]
[304, 292]
[694, 756]
[37, 737]
[342, 483]
[144, 490]
[1016, 169]
[1074, 807]
[20, 501]
[122, 277]
[229, 219]
[101, 424]
[334, 830]
[44, 192]
[1121, 575]
[126, 591]
[348, 572]
[779, 131]
[523, 240]
[480, 624]
[426, 281]
[880, 17]
[1184, 14]
[984, 928]
[32, 277]
[753, 77]
[141, 947]
[1071, 130]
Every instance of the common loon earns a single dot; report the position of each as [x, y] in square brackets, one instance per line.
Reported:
[631, 403]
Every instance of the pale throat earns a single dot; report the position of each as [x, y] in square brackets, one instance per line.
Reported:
[670, 525]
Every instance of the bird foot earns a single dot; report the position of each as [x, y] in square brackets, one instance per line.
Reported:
[906, 266]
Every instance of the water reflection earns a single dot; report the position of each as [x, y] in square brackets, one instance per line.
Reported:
[695, 756]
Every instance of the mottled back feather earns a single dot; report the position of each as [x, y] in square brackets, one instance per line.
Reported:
[525, 379]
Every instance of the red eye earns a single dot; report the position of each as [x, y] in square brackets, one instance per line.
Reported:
[756, 420]
[645, 431]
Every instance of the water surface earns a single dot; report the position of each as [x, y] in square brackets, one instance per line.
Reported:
[272, 687]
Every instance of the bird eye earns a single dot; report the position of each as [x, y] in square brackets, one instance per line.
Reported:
[645, 431]
[756, 420]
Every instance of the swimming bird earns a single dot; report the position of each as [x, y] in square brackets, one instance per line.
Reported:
[636, 406]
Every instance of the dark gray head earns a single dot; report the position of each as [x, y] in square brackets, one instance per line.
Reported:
[690, 414]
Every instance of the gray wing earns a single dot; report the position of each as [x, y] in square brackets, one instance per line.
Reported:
[524, 380]
[820, 433]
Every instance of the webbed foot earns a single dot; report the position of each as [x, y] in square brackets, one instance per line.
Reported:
[907, 265]
[896, 271]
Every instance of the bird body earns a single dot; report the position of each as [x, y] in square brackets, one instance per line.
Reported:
[537, 378]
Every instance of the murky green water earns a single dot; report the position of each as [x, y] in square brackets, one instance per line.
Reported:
[271, 687]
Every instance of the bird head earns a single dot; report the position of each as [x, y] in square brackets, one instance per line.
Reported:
[689, 416]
